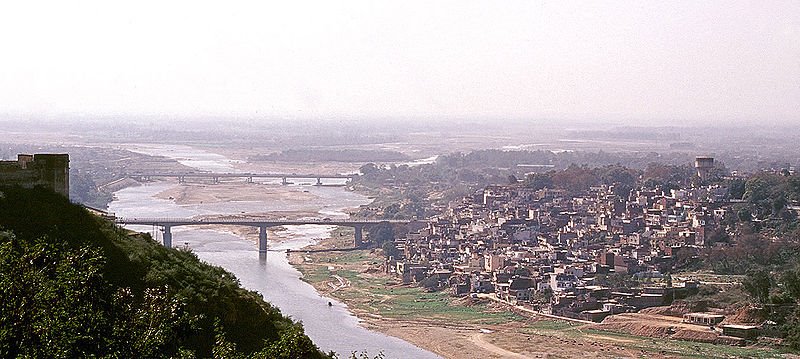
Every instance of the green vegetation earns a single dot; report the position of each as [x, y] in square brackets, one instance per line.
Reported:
[778, 295]
[767, 197]
[73, 285]
[414, 303]
[386, 297]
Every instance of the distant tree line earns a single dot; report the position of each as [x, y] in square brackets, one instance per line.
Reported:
[404, 191]
[331, 155]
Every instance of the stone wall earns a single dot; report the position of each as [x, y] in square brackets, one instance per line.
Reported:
[46, 170]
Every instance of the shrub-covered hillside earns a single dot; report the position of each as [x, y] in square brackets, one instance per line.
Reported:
[74, 285]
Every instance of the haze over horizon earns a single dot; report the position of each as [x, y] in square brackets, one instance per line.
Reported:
[625, 62]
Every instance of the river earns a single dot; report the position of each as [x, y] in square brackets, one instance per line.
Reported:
[330, 327]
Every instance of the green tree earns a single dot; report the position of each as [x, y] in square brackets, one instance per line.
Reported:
[55, 303]
[736, 188]
[623, 179]
[390, 249]
[368, 169]
[292, 344]
[538, 181]
[512, 179]
[757, 283]
[575, 178]
[381, 233]
[792, 330]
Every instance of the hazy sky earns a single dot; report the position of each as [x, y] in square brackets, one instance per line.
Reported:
[684, 60]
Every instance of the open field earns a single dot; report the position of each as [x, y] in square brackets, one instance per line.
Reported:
[647, 347]
[711, 278]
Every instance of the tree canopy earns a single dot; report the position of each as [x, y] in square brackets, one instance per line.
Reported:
[74, 285]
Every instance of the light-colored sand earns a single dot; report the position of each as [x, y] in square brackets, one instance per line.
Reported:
[196, 193]
[274, 234]
[507, 341]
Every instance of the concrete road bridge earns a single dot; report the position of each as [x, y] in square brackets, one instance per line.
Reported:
[166, 225]
[248, 177]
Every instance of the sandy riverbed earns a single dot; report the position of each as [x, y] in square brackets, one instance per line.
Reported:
[197, 193]
[209, 194]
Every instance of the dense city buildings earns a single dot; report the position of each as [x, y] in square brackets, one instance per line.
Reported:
[583, 255]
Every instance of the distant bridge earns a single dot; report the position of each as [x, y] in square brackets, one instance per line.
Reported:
[215, 177]
[167, 223]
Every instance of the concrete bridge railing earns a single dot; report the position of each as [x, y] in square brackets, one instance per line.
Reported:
[215, 177]
[166, 225]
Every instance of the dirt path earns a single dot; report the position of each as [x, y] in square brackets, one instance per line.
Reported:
[532, 312]
[479, 340]
[342, 283]
[603, 337]
[447, 342]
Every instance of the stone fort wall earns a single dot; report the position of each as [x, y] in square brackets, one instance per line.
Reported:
[43, 169]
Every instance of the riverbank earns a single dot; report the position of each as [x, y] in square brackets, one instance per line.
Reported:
[467, 327]
[331, 327]
[356, 278]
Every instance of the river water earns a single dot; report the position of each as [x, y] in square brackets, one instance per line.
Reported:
[330, 327]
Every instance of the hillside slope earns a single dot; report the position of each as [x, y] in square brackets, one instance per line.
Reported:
[74, 285]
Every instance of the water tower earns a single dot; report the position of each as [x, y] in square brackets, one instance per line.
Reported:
[704, 165]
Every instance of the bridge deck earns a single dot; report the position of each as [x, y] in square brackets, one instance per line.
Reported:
[250, 222]
[235, 174]
[262, 224]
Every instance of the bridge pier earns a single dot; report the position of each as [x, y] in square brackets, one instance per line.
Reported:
[249, 179]
[319, 181]
[215, 179]
[358, 240]
[262, 239]
[167, 236]
[284, 181]
[165, 226]
[181, 179]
